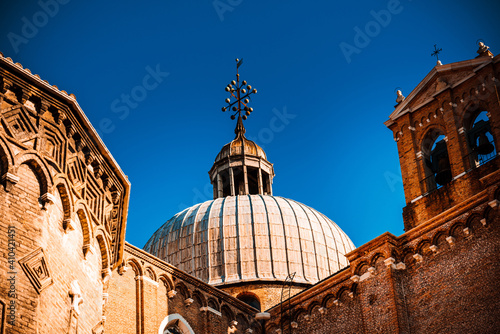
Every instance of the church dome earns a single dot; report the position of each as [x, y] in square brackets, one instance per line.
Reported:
[240, 146]
[252, 238]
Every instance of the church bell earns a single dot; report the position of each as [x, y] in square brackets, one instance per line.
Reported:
[484, 146]
[441, 163]
[478, 140]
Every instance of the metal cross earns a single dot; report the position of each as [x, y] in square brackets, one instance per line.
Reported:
[436, 52]
[241, 93]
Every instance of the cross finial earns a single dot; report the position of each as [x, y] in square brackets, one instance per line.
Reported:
[436, 52]
[240, 98]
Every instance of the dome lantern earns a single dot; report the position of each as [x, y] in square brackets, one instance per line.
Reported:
[241, 167]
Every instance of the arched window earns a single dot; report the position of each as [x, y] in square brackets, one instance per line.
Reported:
[436, 160]
[250, 299]
[480, 139]
[175, 324]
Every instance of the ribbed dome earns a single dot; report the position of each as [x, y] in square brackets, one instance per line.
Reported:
[239, 146]
[251, 238]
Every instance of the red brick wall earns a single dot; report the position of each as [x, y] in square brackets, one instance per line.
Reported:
[141, 293]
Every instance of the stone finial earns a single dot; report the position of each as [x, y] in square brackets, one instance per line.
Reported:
[76, 296]
[484, 51]
[400, 97]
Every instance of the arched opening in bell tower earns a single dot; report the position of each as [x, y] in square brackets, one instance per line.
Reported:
[480, 139]
[436, 160]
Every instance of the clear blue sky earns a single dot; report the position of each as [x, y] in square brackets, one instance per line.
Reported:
[334, 155]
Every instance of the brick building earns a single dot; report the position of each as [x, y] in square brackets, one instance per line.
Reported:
[217, 266]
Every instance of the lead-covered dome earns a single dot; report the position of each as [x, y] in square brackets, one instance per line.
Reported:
[250, 238]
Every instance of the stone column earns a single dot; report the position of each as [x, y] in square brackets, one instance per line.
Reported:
[245, 179]
[269, 186]
[231, 181]
[259, 180]
[220, 186]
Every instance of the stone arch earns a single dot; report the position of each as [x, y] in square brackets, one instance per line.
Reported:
[183, 290]
[361, 268]
[199, 297]
[227, 312]
[435, 161]
[213, 303]
[167, 281]
[299, 314]
[61, 184]
[6, 157]
[82, 213]
[439, 238]
[407, 257]
[150, 273]
[313, 307]
[474, 222]
[175, 320]
[250, 298]
[377, 260]
[135, 265]
[327, 300]
[428, 137]
[423, 247]
[343, 293]
[470, 111]
[457, 230]
[102, 241]
[32, 159]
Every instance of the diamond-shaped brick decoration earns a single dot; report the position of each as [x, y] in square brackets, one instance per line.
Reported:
[35, 267]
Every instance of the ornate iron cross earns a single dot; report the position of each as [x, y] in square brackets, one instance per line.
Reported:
[240, 92]
[436, 52]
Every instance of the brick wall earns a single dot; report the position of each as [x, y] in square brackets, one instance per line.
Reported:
[146, 290]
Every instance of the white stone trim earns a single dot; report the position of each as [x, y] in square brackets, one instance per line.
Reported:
[209, 309]
[182, 323]
[389, 261]
[400, 266]
[450, 239]
[493, 203]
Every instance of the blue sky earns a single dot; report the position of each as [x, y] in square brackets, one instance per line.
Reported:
[326, 75]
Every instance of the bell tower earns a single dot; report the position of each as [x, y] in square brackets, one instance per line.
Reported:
[447, 132]
[241, 167]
